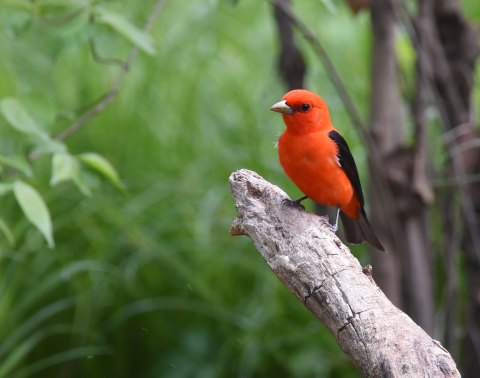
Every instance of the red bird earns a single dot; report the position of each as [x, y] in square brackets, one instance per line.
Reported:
[317, 159]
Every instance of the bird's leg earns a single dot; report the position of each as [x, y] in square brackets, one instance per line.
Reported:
[295, 203]
[335, 226]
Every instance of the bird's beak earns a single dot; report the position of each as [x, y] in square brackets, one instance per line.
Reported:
[282, 107]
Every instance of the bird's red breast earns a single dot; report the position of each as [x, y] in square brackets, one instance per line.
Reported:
[310, 157]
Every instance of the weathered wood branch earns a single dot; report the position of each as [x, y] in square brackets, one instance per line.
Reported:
[320, 271]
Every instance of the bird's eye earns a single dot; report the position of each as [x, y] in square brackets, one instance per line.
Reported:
[305, 107]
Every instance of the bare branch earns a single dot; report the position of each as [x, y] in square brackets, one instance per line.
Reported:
[320, 271]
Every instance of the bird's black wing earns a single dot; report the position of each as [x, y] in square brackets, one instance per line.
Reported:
[347, 163]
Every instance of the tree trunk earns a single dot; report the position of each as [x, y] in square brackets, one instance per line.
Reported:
[454, 57]
[320, 271]
[405, 174]
[387, 131]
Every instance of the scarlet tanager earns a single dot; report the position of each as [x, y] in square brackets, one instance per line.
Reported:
[317, 159]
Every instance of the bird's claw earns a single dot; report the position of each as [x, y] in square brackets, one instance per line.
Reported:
[297, 203]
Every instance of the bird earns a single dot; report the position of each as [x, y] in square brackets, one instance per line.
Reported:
[316, 157]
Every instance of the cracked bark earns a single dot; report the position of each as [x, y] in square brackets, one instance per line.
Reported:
[320, 271]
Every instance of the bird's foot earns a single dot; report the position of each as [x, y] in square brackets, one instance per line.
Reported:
[295, 203]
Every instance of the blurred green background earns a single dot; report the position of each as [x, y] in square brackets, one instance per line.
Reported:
[146, 280]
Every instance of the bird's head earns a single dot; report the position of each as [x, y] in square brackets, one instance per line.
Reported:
[303, 112]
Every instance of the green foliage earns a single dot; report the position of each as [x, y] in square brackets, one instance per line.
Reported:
[99, 164]
[146, 281]
[120, 24]
[64, 168]
[34, 208]
[19, 118]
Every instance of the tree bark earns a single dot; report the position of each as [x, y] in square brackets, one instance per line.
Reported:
[406, 275]
[320, 271]
[386, 128]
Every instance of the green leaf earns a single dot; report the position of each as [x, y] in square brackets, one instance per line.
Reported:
[17, 162]
[123, 26]
[82, 183]
[7, 232]
[19, 118]
[64, 168]
[103, 166]
[34, 208]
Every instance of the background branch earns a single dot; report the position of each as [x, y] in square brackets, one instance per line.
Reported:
[112, 93]
[291, 64]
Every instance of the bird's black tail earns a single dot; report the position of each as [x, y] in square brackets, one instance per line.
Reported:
[359, 230]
